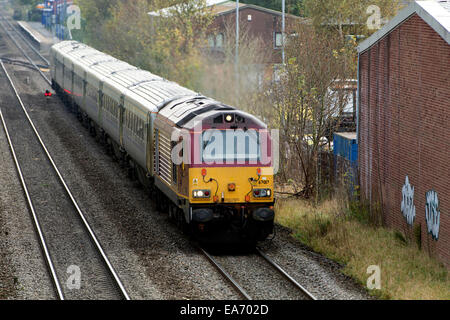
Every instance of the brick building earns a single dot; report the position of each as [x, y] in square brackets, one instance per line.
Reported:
[260, 22]
[404, 123]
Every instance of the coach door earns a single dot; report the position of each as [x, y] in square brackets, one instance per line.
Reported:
[121, 112]
[149, 144]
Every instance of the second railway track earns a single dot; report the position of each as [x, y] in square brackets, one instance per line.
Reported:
[278, 283]
[13, 34]
[67, 239]
[22, 40]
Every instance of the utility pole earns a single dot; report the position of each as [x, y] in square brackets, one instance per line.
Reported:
[64, 20]
[237, 53]
[283, 29]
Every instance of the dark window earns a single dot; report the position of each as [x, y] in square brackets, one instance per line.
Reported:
[219, 40]
[216, 41]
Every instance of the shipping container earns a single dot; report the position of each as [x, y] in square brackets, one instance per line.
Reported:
[345, 145]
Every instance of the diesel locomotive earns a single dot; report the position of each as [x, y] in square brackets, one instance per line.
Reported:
[207, 164]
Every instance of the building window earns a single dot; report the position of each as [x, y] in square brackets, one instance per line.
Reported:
[278, 39]
[249, 17]
[216, 41]
[219, 40]
[211, 42]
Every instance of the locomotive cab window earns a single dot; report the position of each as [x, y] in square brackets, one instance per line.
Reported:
[230, 146]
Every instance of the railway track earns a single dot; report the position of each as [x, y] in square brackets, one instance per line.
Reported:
[78, 266]
[23, 39]
[9, 30]
[273, 265]
[67, 239]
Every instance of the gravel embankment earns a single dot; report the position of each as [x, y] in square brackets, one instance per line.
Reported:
[23, 274]
[319, 275]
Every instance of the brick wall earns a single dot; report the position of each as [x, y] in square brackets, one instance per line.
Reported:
[404, 127]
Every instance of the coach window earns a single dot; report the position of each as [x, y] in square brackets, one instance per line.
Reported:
[135, 124]
[127, 116]
[106, 104]
[131, 122]
[139, 128]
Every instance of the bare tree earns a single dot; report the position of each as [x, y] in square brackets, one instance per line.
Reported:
[220, 79]
[302, 104]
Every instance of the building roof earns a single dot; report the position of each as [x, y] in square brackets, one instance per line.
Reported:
[435, 13]
[166, 11]
[219, 7]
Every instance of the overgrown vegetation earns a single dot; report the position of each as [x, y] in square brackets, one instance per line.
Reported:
[302, 105]
[342, 231]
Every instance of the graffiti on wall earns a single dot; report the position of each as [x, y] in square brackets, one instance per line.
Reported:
[408, 208]
[432, 213]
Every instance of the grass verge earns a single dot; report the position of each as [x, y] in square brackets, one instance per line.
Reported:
[341, 233]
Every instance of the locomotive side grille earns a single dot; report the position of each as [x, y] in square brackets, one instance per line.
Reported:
[163, 161]
[155, 152]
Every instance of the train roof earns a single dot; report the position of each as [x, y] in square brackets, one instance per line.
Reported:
[152, 92]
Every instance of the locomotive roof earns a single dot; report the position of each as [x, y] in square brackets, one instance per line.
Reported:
[154, 93]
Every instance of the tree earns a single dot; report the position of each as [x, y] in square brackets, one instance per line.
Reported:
[94, 13]
[230, 83]
[165, 45]
[301, 103]
[292, 6]
[348, 16]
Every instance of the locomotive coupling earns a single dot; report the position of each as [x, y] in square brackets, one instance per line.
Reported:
[263, 215]
[202, 215]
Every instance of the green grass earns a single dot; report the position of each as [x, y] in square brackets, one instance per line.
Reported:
[342, 232]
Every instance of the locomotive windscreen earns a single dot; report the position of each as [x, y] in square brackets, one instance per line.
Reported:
[231, 146]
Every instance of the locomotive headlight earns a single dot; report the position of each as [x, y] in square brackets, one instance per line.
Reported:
[262, 193]
[229, 118]
[201, 194]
